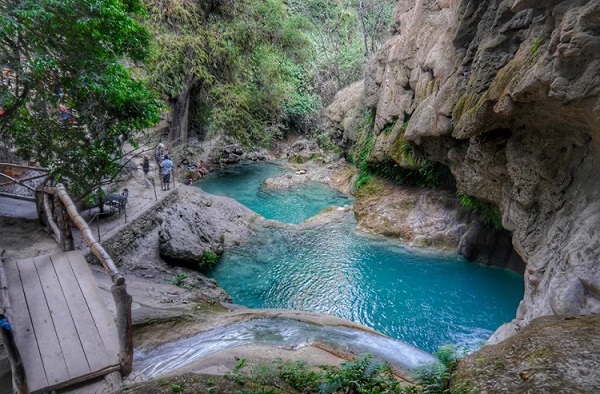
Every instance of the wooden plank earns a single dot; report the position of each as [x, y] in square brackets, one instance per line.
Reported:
[102, 317]
[86, 328]
[64, 326]
[43, 327]
[23, 329]
[80, 379]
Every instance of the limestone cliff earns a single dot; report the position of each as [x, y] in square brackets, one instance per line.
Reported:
[506, 94]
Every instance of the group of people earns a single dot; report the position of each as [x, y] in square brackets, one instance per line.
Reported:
[165, 164]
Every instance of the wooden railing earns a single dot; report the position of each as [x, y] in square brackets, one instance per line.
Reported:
[59, 212]
[9, 173]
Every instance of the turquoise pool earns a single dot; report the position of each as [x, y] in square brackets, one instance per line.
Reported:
[423, 298]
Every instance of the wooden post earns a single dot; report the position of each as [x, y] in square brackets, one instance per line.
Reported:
[119, 289]
[62, 223]
[154, 187]
[69, 244]
[39, 205]
[14, 358]
[124, 327]
[98, 226]
[52, 227]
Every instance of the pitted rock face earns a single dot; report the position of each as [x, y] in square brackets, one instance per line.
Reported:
[198, 223]
[554, 354]
[507, 94]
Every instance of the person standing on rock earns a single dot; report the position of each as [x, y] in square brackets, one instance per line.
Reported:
[146, 169]
[165, 169]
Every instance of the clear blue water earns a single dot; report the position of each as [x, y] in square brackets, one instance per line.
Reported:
[242, 182]
[424, 299]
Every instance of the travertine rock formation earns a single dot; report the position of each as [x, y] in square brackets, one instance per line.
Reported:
[505, 93]
[198, 223]
[554, 354]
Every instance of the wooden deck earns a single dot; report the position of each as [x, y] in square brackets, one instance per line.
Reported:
[62, 327]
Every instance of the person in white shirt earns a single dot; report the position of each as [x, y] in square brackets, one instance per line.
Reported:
[165, 169]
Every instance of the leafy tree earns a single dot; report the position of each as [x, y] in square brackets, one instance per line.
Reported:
[231, 68]
[253, 70]
[73, 52]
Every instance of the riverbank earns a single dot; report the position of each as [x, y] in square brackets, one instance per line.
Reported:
[170, 302]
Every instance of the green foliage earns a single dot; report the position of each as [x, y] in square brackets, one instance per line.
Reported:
[245, 62]
[78, 48]
[428, 174]
[388, 128]
[363, 148]
[489, 211]
[536, 46]
[364, 375]
[208, 260]
[362, 180]
[405, 126]
[326, 143]
[424, 174]
[256, 69]
[176, 388]
[178, 280]
[435, 378]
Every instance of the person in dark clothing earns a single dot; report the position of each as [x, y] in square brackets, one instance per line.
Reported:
[146, 169]
[185, 163]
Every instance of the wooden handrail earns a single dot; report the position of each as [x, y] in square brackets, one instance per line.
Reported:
[97, 249]
[122, 299]
[20, 182]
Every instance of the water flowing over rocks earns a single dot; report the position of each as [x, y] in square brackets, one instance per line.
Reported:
[198, 223]
[506, 94]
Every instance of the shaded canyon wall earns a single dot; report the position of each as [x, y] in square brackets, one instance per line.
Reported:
[506, 94]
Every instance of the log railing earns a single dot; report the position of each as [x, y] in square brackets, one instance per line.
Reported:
[59, 222]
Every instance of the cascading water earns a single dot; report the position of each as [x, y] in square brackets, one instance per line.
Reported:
[277, 332]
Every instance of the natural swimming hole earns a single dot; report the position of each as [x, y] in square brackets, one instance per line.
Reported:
[423, 298]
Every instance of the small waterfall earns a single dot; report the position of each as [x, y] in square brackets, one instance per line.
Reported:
[279, 332]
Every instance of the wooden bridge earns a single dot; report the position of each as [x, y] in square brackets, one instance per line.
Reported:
[55, 326]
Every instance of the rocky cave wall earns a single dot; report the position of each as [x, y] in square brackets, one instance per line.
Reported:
[506, 94]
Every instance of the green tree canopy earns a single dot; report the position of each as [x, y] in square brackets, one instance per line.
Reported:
[253, 70]
[74, 53]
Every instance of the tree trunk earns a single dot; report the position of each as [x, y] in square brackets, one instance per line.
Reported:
[180, 108]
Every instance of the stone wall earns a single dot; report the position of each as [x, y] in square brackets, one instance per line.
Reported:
[506, 94]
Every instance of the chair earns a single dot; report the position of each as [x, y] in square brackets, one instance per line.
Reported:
[117, 202]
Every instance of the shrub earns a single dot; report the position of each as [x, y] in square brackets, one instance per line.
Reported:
[363, 375]
[536, 46]
[208, 260]
[489, 211]
[428, 173]
[435, 378]
[178, 280]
